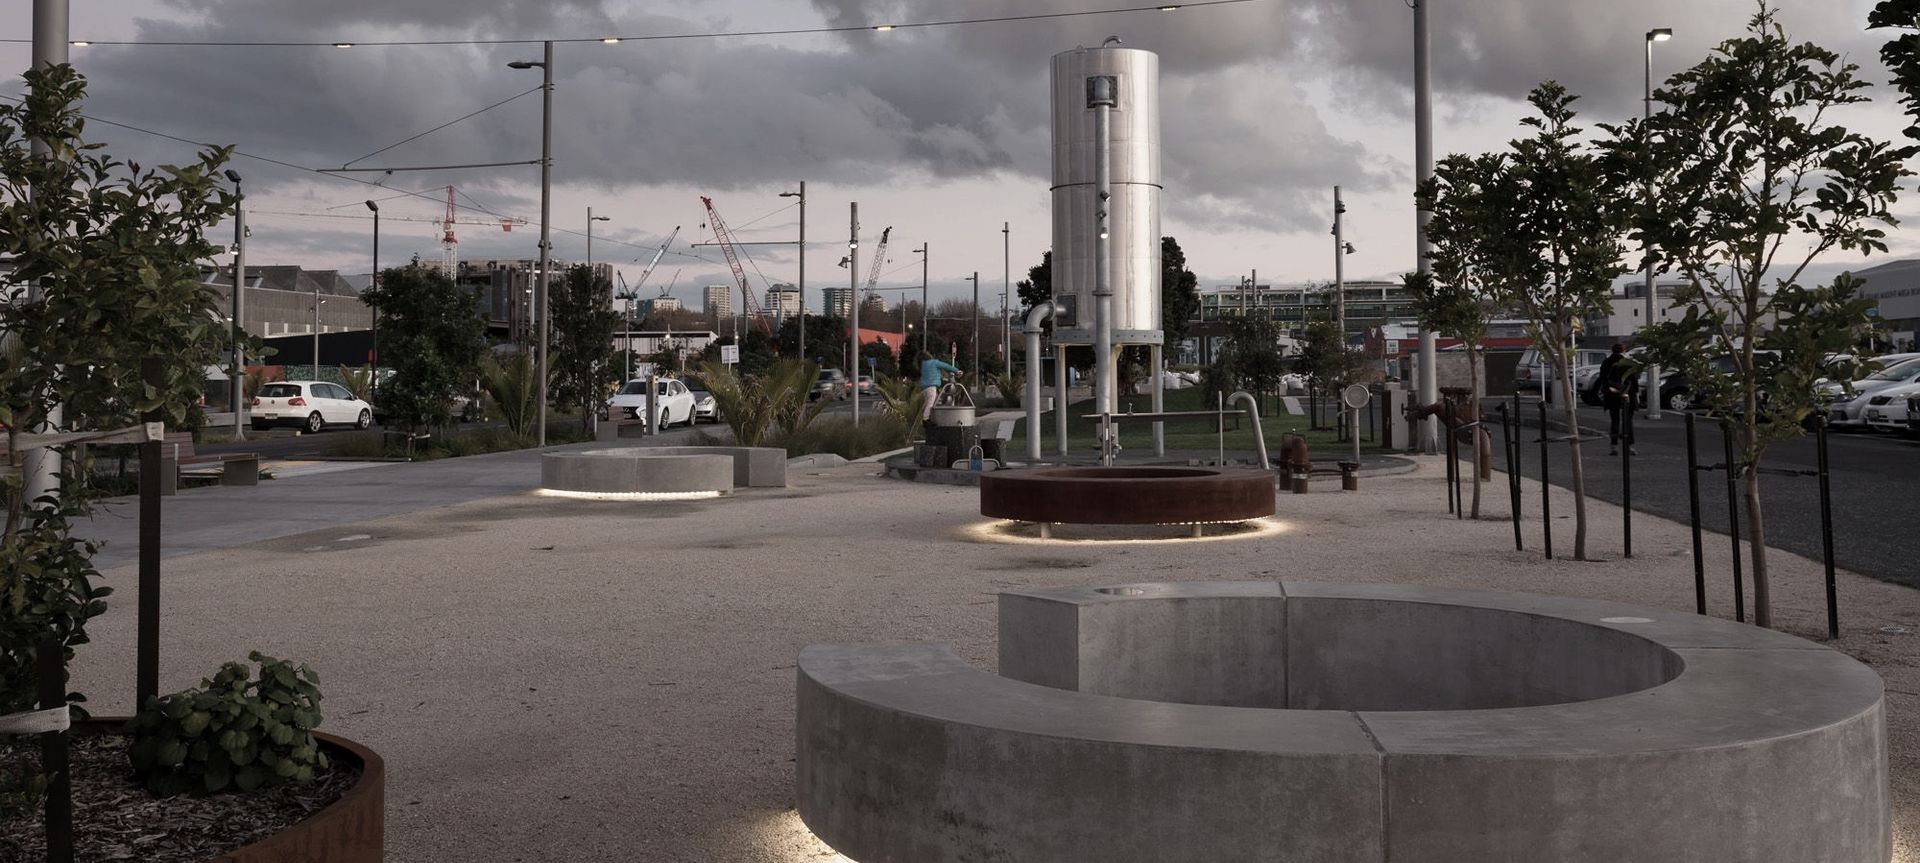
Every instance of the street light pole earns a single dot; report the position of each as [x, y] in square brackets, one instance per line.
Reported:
[1652, 389]
[1006, 297]
[801, 348]
[1429, 383]
[591, 218]
[976, 328]
[317, 303]
[546, 212]
[1339, 272]
[374, 282]
[853, 300]
[925, 333]
[236, 383]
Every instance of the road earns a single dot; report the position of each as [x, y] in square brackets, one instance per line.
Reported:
[1873, 477]
[288, 445]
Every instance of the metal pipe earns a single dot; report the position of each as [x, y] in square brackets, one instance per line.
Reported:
[41, 466]
[801, 343]
[1546, 489]
[1509, 442]
[1693, 520]
[853, 300]
[1626, 490]
[1101, 98]
[1006, 297]
[546, 224]
[1156, 359]
[1039, 314]
[1259, 437]
[1060, 397]
[237, 386]
[1653, 370]
[979, 379]
[1423, 171]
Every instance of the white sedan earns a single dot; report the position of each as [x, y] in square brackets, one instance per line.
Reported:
[308, 405]
[1886, 408]
[674, 402]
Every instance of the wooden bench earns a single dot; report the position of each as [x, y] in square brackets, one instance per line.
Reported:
[177, 458]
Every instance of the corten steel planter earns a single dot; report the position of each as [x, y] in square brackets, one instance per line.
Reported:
[351, 829]
[1127, 495]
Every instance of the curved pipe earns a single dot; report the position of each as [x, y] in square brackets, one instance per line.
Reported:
[1035, 370]
[1259, 437]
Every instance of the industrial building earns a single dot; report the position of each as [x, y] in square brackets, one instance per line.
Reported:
[717, 302]
[280, 300]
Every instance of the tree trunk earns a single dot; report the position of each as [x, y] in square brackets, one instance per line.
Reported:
[1571, 403]
[1757, 546]
[1473, 439]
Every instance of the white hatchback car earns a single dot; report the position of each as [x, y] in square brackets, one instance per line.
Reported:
[672, 399]
[308, 405]
[1849, 409]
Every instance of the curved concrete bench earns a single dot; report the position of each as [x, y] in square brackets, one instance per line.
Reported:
[634, 470]
[753, 466]
[1290, 721]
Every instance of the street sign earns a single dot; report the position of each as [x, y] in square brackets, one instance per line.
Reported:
[730, 354]
[872, 362]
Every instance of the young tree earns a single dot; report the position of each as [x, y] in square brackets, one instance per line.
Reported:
[431, 338]
[1560, 250]
[583, 325]
[1754, 183]
[1179, 294]
[1902, 54]
[1037, 287]
[1455, 298]
[118, 325]
[1252, 356]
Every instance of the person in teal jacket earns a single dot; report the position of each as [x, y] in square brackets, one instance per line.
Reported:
[930, 369]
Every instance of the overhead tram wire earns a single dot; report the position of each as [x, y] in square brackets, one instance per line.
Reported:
[439, 127]
[656, 37]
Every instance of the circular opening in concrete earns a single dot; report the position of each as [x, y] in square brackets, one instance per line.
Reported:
[1119, 591]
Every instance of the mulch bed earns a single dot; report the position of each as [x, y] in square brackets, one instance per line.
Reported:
[115, 818]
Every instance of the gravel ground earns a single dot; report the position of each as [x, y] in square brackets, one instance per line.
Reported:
[570, 680]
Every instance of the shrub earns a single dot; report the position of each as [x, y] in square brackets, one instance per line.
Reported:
[838, 435]
[232, 732]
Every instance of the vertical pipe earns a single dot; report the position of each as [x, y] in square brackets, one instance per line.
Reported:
[926, 335]
[1339, 272]
[801, 343]
[1733, 522]
[1040, 313]
[238, 368]
[1101, 98]
[1653, 371]
[1156, 359]
[979, 379]
[146, 666]
[546, 226]
[1060, 397]
[50, 661]
[373, 360]
[41, 466]
[1423, 171]
[1006, 296]
[1546, 489]
[1626, 491]
[1826, 531]
[1220, 425]
[853, 301]
[1693, 519]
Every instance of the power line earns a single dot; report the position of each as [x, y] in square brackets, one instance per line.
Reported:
[652, 37]
[438, 128]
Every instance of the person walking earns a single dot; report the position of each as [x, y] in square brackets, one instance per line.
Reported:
[1619, 383]
[930, 369]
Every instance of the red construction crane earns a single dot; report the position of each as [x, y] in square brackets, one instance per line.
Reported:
[449, 247]
[725, 238]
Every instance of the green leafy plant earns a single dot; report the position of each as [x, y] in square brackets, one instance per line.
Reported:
[583, 359]
[512, 384]
[358, 381]
[755, 406]
[432, 338]
[236, 731]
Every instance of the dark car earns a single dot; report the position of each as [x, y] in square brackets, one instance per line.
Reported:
[832, 384]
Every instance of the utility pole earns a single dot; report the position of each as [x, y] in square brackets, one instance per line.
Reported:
[317, 303]
[853, 301]
[41, 470]
[1006, 297]
[1652, 389]
[976, 328]
[925, 334]
[546, 214]
[591, 218]
[236, 375]
[1429, 384]
[1339, 272]
[802, 195]
[374, 282]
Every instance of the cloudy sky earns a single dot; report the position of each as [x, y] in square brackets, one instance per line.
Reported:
[938, 132]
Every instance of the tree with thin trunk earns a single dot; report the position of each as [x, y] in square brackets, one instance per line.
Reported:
[1754, 182]
[1555, 259]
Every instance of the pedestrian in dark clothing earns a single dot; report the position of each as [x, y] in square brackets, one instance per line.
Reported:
[1619, 383]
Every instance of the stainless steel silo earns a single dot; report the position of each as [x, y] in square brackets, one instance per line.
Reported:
[1134, 212]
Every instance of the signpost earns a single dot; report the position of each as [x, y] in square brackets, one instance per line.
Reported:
[730, 354]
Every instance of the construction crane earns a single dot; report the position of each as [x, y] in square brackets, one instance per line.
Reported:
[725, 238]
[449, 247]
[879, 260]
[657, 255]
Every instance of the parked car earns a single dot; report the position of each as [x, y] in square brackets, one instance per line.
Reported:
[1848, 409]
[1586, 381]
[832, 384]
[705, 409]
[308, 405]
[864, 383]
[673, 402]
[1676, 390]
[1889, 409]
[1533, 377]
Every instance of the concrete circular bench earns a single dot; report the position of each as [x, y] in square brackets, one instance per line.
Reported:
[634, 471]
[1293, 721]
[753, 466]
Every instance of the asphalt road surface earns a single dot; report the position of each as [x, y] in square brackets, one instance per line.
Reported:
[1874, 479]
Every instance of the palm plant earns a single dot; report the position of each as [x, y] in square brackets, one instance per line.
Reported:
[513, 385]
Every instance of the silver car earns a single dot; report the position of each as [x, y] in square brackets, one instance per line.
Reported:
[1849, 409]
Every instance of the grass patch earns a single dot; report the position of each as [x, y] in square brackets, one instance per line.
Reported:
[1197, 433]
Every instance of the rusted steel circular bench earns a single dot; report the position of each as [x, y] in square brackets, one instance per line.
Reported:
[1127, 495]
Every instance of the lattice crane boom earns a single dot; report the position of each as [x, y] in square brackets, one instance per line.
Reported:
[879, 260]
[725, 238]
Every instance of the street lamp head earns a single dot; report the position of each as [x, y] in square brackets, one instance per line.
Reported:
[1661, 34]
[1349, 248]
[602, 219]
[232, 175]
[790, 195]
[373, 206]
[525, 64]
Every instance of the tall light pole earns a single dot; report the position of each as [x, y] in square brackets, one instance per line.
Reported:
[925, 333]
[976, 327]
[1652, 390]
[801, 349]
[236, 375]
[317, 303]
[853, 301]
[1429, 384]
[1339, 272]
[1006, 297]
[591, 218]
[374, 282]
[546, 211]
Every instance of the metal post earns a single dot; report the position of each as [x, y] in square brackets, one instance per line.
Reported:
[41, 467]
[1733, 523]
[1693, 520]
[546, 219]
[373, 361]
[50, 669]
[237, 384]
[653, 405]
[316, 330]
[1102, 99]
[853, 300]
[1826, 531]
[1220, 425]
[979, 379]
[1006, 296]
[1423, 171]
[1653, 371]
[1060, 397]
[1626, 493]
[1156, 358]
[1510, 446]
[802, 343]
[146, 665]
[1034, 318]
[1339, 271]
[1546, 489]
[926, 335]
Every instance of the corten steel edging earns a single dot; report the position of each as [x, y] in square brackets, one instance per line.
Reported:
[351, 829]
[1127, 495]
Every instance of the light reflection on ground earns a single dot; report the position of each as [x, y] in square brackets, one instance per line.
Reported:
[1028, 533]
